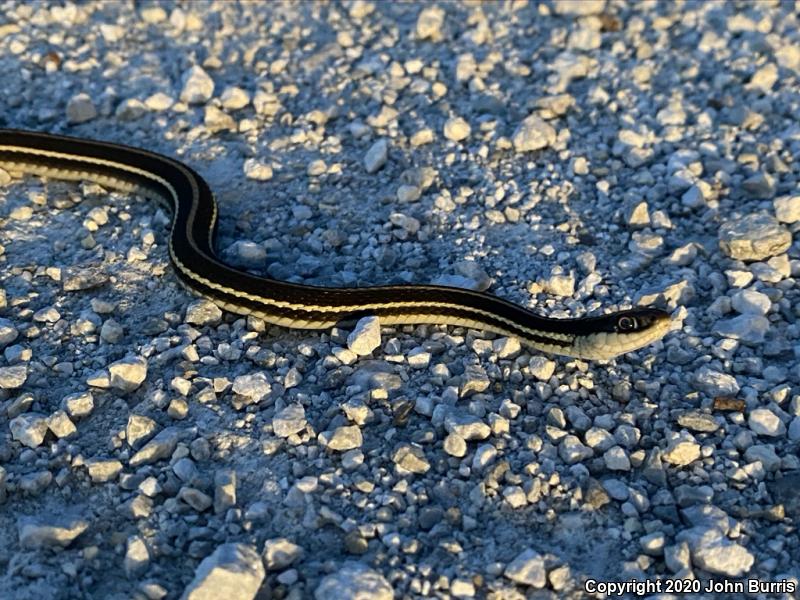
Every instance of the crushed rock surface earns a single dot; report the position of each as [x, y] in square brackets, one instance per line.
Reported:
[574, 157]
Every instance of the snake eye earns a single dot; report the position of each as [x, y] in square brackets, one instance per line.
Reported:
[626, 324]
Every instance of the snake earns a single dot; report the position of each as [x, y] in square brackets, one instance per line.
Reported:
[198, 266]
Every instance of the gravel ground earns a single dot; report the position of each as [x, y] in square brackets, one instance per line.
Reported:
[572, 156]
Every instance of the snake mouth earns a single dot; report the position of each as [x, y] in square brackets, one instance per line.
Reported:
[608, 345]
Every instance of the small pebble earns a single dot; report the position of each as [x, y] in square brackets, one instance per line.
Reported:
[456, 129]
[365, 337]
[376, 156]
[198, 87]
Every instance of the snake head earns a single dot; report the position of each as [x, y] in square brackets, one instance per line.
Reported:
[637, 320]
[623, 332]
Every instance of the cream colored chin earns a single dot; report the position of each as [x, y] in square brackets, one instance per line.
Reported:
[605, 346]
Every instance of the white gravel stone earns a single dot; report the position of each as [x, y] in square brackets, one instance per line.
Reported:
[352, 459]
[365, 337]
[160, 447]
[422, 137]
[257, 170]
[103, 470]
[534, 133]
[652, 543]
[29, 429]
[224, 490]
[252, 388]
[233, 572]
[698, 421]
[354, 581]
[456, 129]
[677, 557]
[198, 87]
[288, 577]
[462, 588]
[78, 405]
[159, 102]
[616, 489]
[128, 374]
[357, 411]
[234, 98]
[14, 377]
[316, 168]
[111, 33]
[787, 209]
[80, 109]
[111, 331]
[751, 302]
[638, 214]
[484, 456]
[606, 159]
[584, 39]
[712, 552]
[467, 427]
[755, 237]
[266, 104]
[418, 358]
[474, 380]
[130, 109]
[794, 429]
[580, 8]
[215, 119]
[727, 559]
[342, 438]
[748, 328]
[46, 315]
[137, 556]
[49, 530]
[289, 421]
[506, 347]
[185, 469]
[203, 312]
[408, 193]
[616, 459]
[715, 383]
[788, 56]
[694, 197]
[571, 450]
[61, 425]
[410, 459]
[560, 284]
[280, 553]
[430, 23]
[528, 568]
[765, 454]
[139, 429]
[293, 378]
[682, 450]
[376, 156]
[760, 185]
[515, 496]
[197, 499]
[763, 421]
[8, 333]
[455, 445]
[541, 367]
[598, 439]
[764, 78]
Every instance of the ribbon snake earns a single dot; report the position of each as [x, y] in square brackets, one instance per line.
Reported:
[198, 266]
